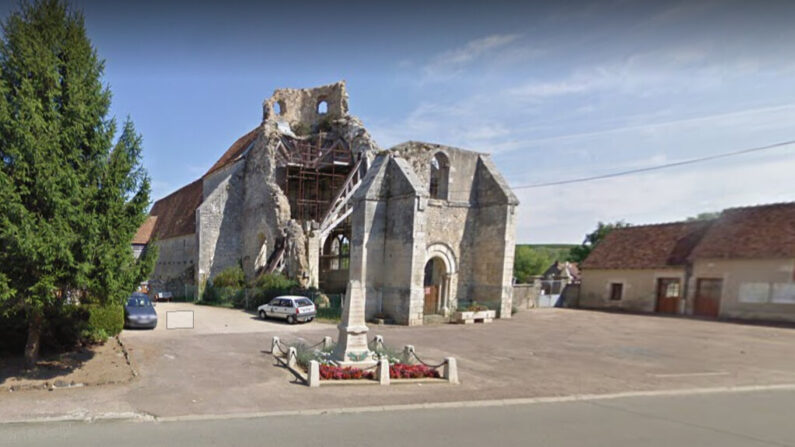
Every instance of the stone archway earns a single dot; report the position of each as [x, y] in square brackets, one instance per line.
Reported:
[439, 284]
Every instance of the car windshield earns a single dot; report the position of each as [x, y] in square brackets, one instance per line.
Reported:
[139, 301]
[303, 302]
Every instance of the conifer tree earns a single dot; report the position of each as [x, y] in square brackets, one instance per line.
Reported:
[70, 199]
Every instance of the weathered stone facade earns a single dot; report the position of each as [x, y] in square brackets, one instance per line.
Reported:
[420, 228]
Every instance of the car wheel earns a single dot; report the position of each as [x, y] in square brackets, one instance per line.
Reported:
[290, 319]
[262, 314]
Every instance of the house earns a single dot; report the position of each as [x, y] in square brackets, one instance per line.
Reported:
[632, 266]
[744, 267]
[739, 265]
[143, 236]
[417, 229]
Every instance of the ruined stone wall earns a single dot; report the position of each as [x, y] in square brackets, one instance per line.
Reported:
[494, 240]
[175, 265]
[265, 209]
[368, 221]
[301, 105]
[463, 165]
[476, 222]
[452, 225]
[218, 222]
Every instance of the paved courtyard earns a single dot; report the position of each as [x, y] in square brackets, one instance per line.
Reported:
[215, 320]
[547, 352]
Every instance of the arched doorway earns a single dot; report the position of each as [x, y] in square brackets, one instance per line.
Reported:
[434, 285]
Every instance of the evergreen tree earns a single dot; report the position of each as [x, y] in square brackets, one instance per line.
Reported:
[70, 199]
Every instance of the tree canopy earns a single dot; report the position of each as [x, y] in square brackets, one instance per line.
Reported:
[71, 198]
[580, 252]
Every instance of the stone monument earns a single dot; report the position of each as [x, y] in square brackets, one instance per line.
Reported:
[352, 349]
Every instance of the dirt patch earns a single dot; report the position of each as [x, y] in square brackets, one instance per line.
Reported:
[96, 365]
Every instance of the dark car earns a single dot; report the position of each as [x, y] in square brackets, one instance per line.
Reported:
[139, 312]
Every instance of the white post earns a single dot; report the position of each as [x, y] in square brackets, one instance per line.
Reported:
[451, 370]
[314, 374]
[408, 350]
[275, 346]
[327, 343]
[379, 341]
[292, 356]
[383, 371]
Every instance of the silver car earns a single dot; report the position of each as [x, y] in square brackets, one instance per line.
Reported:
[291, 308]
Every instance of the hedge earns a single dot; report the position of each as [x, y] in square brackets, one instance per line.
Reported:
[68, 325]
[103, 322]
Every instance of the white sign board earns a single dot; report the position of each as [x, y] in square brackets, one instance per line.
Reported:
[179, 319]
[754, 292]
[784, 293]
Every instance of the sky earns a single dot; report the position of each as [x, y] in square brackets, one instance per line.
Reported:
[553, 90]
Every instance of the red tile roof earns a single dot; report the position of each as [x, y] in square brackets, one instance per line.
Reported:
[646, 246]
[176, 213]
[235, 151]
[758, 232]
[144, 232]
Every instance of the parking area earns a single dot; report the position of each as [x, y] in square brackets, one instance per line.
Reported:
[215, 320]
[224, 364]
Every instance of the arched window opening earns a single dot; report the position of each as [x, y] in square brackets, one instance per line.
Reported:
[440, 176]
[279, 108]
[322, 107]
[338, 255]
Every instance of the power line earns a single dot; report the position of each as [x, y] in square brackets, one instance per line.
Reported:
[655, 168]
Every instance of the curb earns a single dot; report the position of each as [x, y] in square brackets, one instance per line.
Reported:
[144, 417]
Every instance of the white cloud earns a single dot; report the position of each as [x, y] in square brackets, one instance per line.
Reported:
[452, 61]
[565, 213]
[551, 88]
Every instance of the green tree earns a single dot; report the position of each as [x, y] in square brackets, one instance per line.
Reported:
[70, 199]
[704, 216]
[529, 262]
[580, 252]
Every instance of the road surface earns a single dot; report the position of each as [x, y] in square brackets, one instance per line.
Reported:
[748, 419]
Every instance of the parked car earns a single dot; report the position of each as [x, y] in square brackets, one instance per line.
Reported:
[291, 308]
[163, 296]
[139, 312]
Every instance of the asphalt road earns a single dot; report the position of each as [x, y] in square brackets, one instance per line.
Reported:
[759, 418]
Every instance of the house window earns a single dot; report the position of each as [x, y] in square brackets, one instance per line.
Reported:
[440, 176]
[322, 107]
[616, 291]
[672, 289]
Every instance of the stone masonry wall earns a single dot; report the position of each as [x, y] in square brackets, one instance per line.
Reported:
[219, 222]
[175, 265]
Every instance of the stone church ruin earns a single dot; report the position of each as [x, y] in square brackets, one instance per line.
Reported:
[418, 229]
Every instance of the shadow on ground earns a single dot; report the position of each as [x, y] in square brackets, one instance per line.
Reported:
[48, 368]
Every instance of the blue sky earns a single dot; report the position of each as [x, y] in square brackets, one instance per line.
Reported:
[553, 90]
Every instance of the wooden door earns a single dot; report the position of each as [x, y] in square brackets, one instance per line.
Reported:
[431, 300]
[708, 292]
[669, 293]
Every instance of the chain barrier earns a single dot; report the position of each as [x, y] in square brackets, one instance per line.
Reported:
[278, 345]
[428, 364]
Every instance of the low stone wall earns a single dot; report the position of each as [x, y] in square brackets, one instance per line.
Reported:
[525, 296]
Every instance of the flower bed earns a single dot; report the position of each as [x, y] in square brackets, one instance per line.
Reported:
[331, 372]
[404, 371]
[396, 371]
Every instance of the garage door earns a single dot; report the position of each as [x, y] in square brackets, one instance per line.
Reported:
[708, 292]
